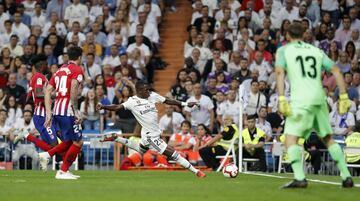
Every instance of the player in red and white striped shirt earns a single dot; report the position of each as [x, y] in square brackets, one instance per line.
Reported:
[65, 82]
[36, 91]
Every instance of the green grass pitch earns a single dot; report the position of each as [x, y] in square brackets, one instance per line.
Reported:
[162, 185]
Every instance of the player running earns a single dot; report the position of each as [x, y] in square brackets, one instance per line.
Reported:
[143, 108]
[66, 115]
[36, 90]
[308, 108]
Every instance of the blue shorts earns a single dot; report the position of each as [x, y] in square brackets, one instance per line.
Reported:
[69, 130]
[47, 134]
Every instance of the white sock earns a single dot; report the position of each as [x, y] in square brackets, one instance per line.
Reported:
[131, 144]
[183, 162]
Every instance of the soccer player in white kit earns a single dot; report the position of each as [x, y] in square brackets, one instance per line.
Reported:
[143, 108]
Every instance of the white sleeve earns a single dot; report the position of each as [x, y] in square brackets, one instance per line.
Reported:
[128, 104]
[158, 98]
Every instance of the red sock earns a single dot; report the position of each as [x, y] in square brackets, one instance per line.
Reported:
[70, 157]
[60, 148]
[39, 143]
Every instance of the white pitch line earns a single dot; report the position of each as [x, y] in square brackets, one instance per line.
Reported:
[282, 177]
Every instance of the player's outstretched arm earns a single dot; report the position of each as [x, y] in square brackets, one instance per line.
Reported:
[178, 103]
[112, 107]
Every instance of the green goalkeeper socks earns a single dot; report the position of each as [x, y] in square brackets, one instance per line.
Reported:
[295, 156]
[338, 156]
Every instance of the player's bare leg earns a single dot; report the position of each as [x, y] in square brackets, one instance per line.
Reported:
[338, 156]
[295, 155]
[171, 153]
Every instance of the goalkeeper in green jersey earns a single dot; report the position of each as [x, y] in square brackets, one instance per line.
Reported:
[308, 108]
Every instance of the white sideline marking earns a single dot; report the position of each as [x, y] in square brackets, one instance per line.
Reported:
[282, 177]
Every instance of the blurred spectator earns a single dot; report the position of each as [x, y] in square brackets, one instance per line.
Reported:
[25, 123]
[263, 124]
[14, 47]
[330, 37]
[205, 18]
[92, 119]
[343, 34]
[353, 140]
[313, 12]
[223, 141]
[203, 136]
[14, 112]
[5, 130]
[352, 91]
[210, 63]
[170, 122]
[113, 59]
[254, 100]
[219, 68]
[22, 30]
[178, 91]
[123, 119]
[204, 113]
[289, 11]
[58, 6]
[144, 50]
[332, 8]
[183, 142]
[235, 63]
[37, 16]
[253, 143]
[342, 124]
[14, 89]
[230, 107]
[54, 21]
[262, 66]
[76, 12]
[3, 17]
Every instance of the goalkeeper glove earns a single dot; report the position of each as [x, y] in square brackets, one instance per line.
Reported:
[344, 103]
[284, 106]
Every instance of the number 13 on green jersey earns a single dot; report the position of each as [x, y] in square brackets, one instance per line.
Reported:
[303, 63]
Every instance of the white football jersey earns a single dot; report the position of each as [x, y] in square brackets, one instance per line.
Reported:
[146, 113]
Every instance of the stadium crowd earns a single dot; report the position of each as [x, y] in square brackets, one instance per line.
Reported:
[231, 46]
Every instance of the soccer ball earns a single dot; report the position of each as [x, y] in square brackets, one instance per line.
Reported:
[230, 170]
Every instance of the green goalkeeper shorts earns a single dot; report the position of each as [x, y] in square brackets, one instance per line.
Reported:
[306, 118]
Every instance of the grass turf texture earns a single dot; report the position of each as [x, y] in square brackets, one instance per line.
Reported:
[162, 185]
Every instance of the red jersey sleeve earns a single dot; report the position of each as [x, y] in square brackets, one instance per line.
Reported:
[77, 73]
[52, 81]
